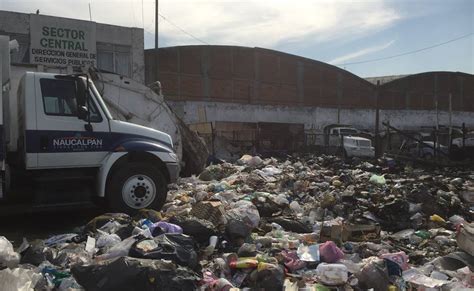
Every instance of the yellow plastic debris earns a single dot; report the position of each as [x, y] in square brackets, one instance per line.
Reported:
[437, 218]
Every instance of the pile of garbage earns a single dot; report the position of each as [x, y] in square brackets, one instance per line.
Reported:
[302, 223]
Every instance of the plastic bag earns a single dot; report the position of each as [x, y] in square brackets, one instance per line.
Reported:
[69, 284]
[376, 179]
[71, 255]
[127, 273]
[36, 253]
[329, 252]
[246, 212]
[167, 227]
[308, 253]
[250, 161]
[106, 240]
[201, 230]
[119, 250]
[8, 257]
[271, 171]
[292, 225]
[178, 248]
[236, 231]
[103, 219]
[59, 239]
[416, 277]
[332, 274]
[18, 279]
[399, 258]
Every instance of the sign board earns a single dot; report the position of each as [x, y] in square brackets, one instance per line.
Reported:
[61, 42]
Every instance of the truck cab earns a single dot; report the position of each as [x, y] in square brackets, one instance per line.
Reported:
[65, 130]
[350, 141]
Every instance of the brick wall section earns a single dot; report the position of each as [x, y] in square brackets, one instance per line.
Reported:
[421, 91]
[261, 76]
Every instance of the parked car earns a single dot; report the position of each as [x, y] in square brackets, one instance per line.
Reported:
[355, 146]
[468, 142]
[423, 150]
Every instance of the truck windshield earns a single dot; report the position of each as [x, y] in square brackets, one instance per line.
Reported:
[100, 100]
[347, 131]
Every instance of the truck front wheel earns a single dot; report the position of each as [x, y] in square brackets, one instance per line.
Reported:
[136, 186]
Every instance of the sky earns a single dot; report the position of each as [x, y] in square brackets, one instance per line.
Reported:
[339, 32]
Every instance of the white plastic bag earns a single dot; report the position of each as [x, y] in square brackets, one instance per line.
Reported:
[376, 179]
[8, 257]
[119, 250]
[18, 279]
[250, 161]
[245, 211]
[332, 274]
[106, 240]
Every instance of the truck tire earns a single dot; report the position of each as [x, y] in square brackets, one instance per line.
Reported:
[136, 186]
[342, 153]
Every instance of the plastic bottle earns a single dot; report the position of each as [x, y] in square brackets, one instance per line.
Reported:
[211, 247]
[146, 223]
[265, 266]
[423, 234]
[266, 259]
[437, 218]
[277, 231]
[244, 263]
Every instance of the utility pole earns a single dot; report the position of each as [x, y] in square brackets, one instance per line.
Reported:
[450, 119]
[156, 42]
[377, 119]
[156, 24]
[339, 97]
[437, 115]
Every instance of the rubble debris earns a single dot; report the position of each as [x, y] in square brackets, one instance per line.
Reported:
[300, 223]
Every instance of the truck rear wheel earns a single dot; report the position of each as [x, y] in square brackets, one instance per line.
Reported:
[136, 186]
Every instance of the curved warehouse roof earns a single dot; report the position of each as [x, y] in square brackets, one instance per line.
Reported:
[254, 75]
[420, 91]
[262, 76]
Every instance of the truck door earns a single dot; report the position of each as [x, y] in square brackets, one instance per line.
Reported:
[61, 139]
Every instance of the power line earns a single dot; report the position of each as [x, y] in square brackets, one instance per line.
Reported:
[407, 53]
[143, 17]
[133, 13]
[182, 30]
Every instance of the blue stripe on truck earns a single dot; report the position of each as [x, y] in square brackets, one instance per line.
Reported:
[54, 141]
[2, 142]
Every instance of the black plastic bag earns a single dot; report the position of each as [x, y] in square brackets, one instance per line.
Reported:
[237, 231]
[178, 248]
[292, 225]
[36, 253]
[201, 230]
[127, 273]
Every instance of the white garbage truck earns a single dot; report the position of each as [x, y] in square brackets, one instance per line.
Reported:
[64, 132]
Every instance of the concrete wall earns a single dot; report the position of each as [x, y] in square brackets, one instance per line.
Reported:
[19, 24]
[132, 37]
[14, 22]
[312, 117]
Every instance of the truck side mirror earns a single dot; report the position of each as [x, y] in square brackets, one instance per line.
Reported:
[82, 112]
[80, 92]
